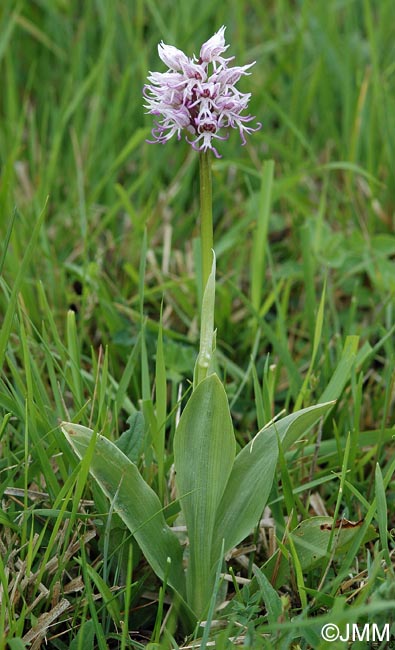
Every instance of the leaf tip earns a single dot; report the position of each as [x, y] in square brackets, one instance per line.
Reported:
[67, 428]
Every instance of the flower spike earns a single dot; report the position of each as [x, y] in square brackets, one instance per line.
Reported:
[193, 98]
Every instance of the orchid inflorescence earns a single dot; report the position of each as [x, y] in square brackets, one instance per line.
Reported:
[188, 97]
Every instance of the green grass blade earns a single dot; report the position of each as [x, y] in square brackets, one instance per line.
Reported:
[75, 360]
[362, 531]
[298, 574]
[341, 487]
[342, 373]
[382, 514]
[7, 241]
[10, 311]
[260, 239]
[317, 337]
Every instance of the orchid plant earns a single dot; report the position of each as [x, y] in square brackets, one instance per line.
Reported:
[221, 494]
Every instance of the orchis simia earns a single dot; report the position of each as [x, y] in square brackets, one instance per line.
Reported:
[221, 494]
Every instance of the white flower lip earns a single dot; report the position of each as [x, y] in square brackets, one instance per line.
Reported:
[198, 96]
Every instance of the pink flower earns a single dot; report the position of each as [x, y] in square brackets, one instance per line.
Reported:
[210, 51]
[191, 98]
[172, 57]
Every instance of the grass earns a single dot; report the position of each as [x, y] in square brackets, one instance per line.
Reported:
[99, 237]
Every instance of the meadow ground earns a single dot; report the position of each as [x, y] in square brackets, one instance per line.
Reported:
[99, 236]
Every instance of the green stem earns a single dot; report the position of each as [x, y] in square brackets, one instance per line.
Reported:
[206, 216]
[207, 335]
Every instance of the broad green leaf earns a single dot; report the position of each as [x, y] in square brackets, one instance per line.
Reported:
[252, 476]
[310, 539]
[312, 535]
[204, 450]
[133, 500]
[301, 422]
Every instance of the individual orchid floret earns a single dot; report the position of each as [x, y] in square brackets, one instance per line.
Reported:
[172, 57]
[211, 50]
[198, 97]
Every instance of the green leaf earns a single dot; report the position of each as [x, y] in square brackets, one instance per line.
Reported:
[319, 319]
[311, 538]
[8, 316]
[382, 513]
[16, 644]
[6, 521]
[252, 476]
[270, 596]
[260, 236]
[343, 370]
[75, 360]
[207, 333]
[133, 500]
[85, 637]
[131, 441]
[204, 450]
[108, 597]
[158, 435]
